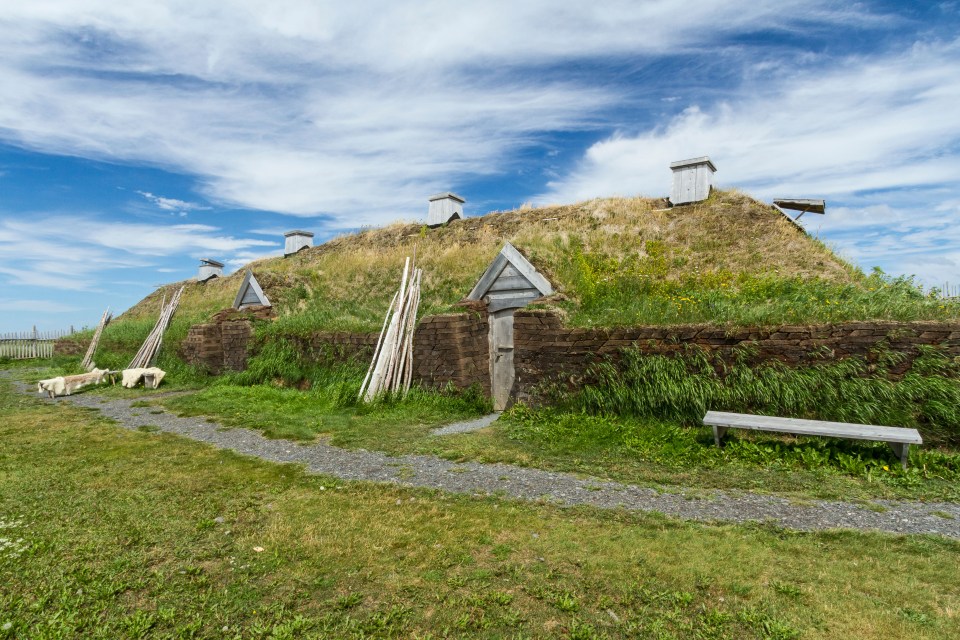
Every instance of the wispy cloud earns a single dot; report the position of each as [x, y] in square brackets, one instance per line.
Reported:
[73, 253]
[871, 131]
[358, 111]
[869, 124]
[173, 205]
[39, 306]
[244, 258]
[353, 113]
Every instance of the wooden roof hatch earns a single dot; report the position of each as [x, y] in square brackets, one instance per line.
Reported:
[803, 205]
[510, 281]
[294, 241]
[250, 293]
[209, 268]
[444, 207]
[692, 180]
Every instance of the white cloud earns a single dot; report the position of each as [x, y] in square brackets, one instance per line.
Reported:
[869, 124]
[359, 110]
[73, 252]
[876, 135]
[172, 204]
[243, 258]
[39, 306]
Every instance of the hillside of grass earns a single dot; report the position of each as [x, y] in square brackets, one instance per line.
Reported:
[615, 261]
[730, 260]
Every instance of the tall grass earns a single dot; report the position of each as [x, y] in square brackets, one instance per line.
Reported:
[121, 340]
[618, 289]
[282, 362]
[333, 381]
[684, 388]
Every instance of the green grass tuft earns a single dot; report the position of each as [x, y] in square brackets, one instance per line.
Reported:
[682, 389]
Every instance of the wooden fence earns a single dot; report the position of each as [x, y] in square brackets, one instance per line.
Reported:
[950, 290]
[24, 345]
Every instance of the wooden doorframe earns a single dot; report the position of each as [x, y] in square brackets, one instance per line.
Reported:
[502, 369]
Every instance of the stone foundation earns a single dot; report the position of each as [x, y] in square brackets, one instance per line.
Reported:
[223, 345]
[546, 350]
[454, 348]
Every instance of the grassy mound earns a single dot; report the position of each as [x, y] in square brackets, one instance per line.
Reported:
[613, 262]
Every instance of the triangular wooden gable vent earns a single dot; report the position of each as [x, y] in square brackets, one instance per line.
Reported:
[510, 282]
[250, 293]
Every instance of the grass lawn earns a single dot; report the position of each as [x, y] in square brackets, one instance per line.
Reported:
[631, 450]
[110, 533]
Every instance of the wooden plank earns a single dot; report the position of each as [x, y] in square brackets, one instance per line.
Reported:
[718, 433]
[802, 204]
[506, 304]
[502, 373]
[488, 277]
[526, 269]
[813, 427]
[516, 283]
[902, 451]
[509, 301]
[511, 271]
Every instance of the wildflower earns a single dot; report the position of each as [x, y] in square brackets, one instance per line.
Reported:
[886, 468]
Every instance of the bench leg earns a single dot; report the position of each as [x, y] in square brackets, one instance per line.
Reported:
[902, 451]
[718, 433]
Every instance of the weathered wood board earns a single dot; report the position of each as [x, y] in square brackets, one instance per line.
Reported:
[898, 438]
[502, 374]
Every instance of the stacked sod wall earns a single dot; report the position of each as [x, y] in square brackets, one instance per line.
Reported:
[545, 350]
[453, 348]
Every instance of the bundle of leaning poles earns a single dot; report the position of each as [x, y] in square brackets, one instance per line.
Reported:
[87, 363]
[148, 351]
[391, 370]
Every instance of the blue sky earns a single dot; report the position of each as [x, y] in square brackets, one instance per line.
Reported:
[139, 136]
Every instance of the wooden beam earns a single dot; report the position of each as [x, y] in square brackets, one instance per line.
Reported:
[515, 283]
[528, 270]
[803, 205]
[489, 276]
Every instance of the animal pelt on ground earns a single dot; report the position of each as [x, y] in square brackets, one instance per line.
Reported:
[66, 385]
[133, 376]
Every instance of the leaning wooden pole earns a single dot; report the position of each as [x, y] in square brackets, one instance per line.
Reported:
[389, 344]
[151, 346]
[376, 350]
[87, 362]
[391, 369]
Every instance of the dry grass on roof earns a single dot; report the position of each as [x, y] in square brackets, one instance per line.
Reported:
[731, 231]
[348, 281]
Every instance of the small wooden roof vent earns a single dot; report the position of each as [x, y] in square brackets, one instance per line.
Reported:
[692, 180]
[510, 282]
[250, 293]
[209, 268]
[444, 207]
[296, 240]
[803, 205]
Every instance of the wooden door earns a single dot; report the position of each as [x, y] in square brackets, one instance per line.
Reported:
[501, 357]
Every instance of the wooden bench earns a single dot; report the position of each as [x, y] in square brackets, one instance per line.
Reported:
[899, 439]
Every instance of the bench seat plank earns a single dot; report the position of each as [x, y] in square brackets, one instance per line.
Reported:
[898, 438]
[813, 427]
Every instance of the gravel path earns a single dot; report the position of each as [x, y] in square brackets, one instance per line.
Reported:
[534, 484]
[465, 427]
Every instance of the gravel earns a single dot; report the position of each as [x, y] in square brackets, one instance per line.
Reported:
[537, 485]
[467, 426]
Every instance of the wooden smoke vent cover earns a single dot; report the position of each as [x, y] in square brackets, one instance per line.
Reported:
[250, 293]
[510, 282]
